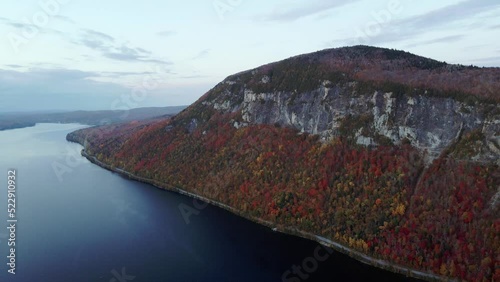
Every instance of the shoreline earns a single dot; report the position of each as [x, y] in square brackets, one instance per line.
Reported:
[361, 257]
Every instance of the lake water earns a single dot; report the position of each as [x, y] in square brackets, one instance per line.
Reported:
[79, 222]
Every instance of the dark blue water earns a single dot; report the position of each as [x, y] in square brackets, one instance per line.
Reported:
[79, 222]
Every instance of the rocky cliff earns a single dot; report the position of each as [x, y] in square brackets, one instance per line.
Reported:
[431, 119]
[429, 123]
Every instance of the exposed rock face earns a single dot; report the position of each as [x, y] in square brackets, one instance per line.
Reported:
[429, 123]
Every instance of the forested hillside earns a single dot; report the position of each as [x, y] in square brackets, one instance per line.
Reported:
[391, 154]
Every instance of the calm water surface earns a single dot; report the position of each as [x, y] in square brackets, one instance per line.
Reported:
[79, 222]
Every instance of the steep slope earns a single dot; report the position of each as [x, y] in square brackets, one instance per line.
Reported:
[387, 153]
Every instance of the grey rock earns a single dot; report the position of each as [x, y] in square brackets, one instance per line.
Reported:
[429, 123]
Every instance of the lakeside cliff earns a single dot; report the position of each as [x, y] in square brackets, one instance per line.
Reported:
[390, 154]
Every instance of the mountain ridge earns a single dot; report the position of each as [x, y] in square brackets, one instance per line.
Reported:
[257, 92]
[375, 64]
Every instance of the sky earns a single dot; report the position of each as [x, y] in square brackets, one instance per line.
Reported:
[122, 54]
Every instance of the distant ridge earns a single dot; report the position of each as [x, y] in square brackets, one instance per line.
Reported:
[25, 119]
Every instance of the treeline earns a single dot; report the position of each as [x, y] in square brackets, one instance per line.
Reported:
[394, 71]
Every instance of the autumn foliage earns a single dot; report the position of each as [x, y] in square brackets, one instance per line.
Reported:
[382, 201]
[386, 201]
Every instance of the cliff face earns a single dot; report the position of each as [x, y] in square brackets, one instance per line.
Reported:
[429, 123]
[364, 146]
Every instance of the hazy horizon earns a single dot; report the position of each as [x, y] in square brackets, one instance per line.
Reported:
[49, 111]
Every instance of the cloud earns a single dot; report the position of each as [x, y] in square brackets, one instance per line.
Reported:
[202, 54]
[17, 25]
[14, 66]
[62, 74]
[166, 33]
[444, 16]
[305, 10]
[409, 28]
[28, 27]
[98, 35]
[124, 73]
[64, 19]
[68, 89]
[451, 13]
[110, 48]
[144, 51]
[446, 39]
[487, 61]
[193, 76]
[55, 89]
[105, 44]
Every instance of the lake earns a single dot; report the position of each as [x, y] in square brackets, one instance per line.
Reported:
[79, 222]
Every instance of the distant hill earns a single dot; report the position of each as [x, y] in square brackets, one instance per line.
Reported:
[382, 152]
[19, 120]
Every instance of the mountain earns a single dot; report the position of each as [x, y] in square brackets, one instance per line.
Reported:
[20, 120]
[390, 157]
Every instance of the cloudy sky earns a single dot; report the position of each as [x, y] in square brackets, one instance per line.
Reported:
[118, 54]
